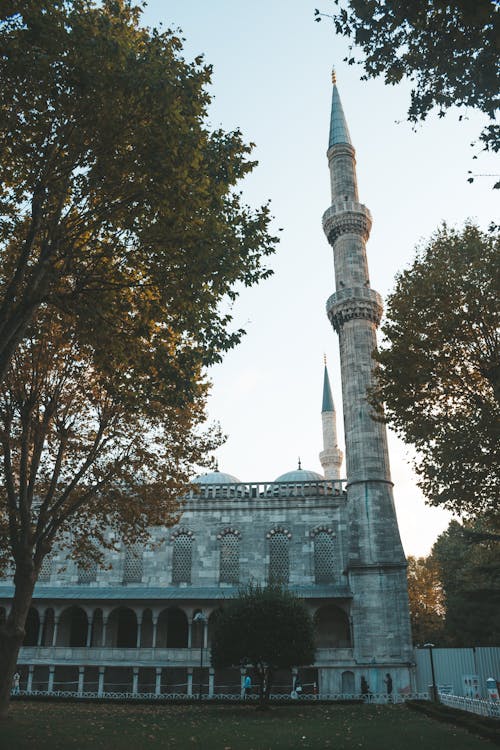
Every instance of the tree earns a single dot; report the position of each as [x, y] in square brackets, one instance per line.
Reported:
[448, 50]
[117, 205]
[426, 599]
[267, 628]
[121, 238]
[439, 368]
[80, 468]
[469, 568]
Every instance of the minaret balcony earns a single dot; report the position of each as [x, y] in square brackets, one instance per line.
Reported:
[354, 302]
[346, 216]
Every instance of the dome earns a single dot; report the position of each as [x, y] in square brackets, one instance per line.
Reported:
[300, 475]
[216, 477]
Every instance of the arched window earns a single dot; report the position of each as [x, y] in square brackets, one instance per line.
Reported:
[87, 573]
[182, 556]
[132, 566]
[324, 556]
[279, 556]
[45, 570]
[229, 570]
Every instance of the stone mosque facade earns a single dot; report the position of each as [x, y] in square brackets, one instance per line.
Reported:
[142, 623]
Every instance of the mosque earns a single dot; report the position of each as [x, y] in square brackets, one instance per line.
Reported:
[142, 622]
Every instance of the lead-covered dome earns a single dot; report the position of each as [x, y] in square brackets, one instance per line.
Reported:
[300, 475]
[216, 477]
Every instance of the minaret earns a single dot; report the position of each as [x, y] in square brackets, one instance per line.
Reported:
[376, 562]
[331, 455]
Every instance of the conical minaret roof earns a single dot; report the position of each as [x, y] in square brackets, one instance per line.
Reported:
[339, 132]
[327, 394]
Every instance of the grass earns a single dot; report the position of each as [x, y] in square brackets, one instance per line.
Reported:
[61, 726]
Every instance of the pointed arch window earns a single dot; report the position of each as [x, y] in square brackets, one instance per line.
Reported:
[324, 555]
[45, 573]
[182, 556]
[279, 556]
[132, 565]
[87, 573]
[229, 545]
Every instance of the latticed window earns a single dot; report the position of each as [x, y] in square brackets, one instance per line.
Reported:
[87, 574]
[182, 557]
[46, 570]
[324, 561]
[229, 558]
[279, 557]
[132, 567]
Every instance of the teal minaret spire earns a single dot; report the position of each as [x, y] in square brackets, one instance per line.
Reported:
[376, 562]
[331, 455]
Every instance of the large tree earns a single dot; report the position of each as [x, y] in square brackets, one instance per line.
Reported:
[439, 368]
[81, 469]
[122, 239]
[468, 559]
[426, 598]
[117, 203]
[447, 50]
[267, 629]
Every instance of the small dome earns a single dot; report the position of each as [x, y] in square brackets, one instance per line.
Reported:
[300, 475]
[216, 477]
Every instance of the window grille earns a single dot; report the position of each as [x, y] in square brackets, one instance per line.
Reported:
[279, 558]
[45, 570]
[182, 558]
[87, 574]
[229, 558]
[324, 562]
[132, 567]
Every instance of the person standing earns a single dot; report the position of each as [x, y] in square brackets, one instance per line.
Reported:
[15, 683]
[388, 686]
[247, 686]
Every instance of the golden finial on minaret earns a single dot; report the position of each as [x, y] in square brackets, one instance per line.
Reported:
[334, 76]
[324, 359]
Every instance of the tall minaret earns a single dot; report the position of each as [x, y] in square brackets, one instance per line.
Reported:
[376, 562]
[331, 455]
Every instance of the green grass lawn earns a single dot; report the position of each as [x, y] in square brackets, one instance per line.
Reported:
[61, 726]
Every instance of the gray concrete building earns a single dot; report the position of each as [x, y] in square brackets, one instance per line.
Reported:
[142, 623]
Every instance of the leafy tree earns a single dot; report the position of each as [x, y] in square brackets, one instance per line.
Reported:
[426, 599]
[469, 568]
[117, 204]
[122, 236]
[439, 368]
[448, 50]
[267, 628]
[78, 463]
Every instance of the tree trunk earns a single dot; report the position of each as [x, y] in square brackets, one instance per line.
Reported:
[12, 633]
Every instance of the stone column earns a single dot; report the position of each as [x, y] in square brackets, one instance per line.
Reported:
[104, 626]
[89, 631]
[139, 632]
[190, 681]
[155, 631]
[29, 686]
[81, 678]
[50, 686]
[40, 630]
[100, 687]
[135, 680]
[54, 632]
[190, 633]
[211, 680]
[158, 681]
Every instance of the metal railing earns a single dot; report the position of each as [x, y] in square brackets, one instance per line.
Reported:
[249, 490]
[473, 705]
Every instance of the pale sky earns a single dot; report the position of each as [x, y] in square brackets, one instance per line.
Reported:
[271, 78]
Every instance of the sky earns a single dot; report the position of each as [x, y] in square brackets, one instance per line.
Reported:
[272, 79]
